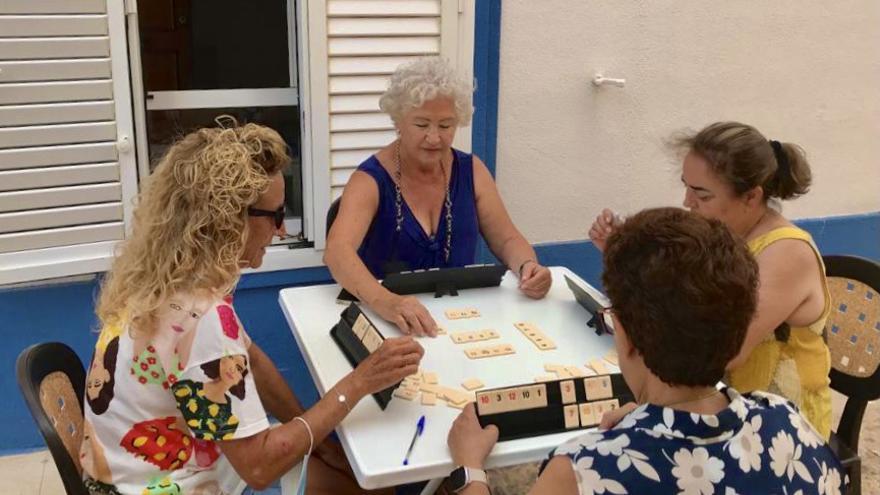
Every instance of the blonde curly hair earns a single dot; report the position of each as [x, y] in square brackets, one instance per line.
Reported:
[190, 225]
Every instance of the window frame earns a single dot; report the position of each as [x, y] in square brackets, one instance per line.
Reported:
[310, 59]
[62, 261]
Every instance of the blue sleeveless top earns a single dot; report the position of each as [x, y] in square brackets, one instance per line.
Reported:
[412, 248]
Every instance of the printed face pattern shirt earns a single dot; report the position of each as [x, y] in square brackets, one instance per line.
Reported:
[158, 404]
[759, 444]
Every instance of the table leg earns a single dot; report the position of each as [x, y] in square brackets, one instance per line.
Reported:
[432, 486]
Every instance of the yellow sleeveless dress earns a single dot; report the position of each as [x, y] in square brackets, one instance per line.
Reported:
[797, 369]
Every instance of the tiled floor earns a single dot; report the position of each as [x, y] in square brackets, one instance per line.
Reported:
[35, 473]
[30, 474]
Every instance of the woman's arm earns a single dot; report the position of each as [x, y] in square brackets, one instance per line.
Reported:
[358, 206]
[788, 272]
[275, 394]
[504, 239]
[470, 445]
[263, 458]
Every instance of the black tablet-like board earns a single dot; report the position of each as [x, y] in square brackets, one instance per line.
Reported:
[582, 296]
[542, 408]
[442, 281]
[357, 337]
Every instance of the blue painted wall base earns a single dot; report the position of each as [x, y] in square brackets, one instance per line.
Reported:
[66, 313]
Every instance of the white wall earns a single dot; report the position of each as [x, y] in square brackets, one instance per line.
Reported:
[801, 71]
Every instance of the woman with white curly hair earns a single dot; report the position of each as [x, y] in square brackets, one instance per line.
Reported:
[178, 392]
[419, 203]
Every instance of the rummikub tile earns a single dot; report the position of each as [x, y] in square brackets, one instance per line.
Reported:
[598, 366]
[372, 340]
[572, 416]
[457, 314]
[472, 384]
[598, 387]
[429, 388]
[588, 414]
[360, 326]
[611, 357]
[430, 377]
[553, 368]
[568, 393]
[536, 336]
[489, 351]
[575, 371]
[545, 378]
[605, 406]
[465, 337]
[405, 393]
[429, 399]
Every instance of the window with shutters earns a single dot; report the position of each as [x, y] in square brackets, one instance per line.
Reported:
[67, 170]
[312, 69]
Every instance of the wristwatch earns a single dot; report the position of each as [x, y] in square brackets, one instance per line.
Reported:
[463, 476]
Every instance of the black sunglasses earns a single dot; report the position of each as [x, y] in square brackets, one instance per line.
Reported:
[277, 215]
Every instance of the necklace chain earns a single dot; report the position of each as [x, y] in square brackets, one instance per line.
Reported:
[447, 202]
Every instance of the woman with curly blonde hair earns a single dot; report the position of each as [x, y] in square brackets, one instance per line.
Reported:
[210, 209]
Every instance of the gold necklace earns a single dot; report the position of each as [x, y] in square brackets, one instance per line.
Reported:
[447, 202]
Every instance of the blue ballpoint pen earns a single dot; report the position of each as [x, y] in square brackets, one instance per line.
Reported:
[420, 427]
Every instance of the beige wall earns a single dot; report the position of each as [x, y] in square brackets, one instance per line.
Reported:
[801, 71]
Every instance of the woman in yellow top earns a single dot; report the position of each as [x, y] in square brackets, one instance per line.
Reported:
[731, 172]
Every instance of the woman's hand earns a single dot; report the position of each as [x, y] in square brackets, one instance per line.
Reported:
[407, 313]
[603, 227]
[469, 443]
[535, 280]
[394, 360]
[611, 418]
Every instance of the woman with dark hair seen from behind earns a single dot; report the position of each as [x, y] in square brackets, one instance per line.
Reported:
[185, 409]
[732, 173]
[683, 290]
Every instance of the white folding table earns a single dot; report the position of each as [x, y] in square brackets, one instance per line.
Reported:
[375, 441]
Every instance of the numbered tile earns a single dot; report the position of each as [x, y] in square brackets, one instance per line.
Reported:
[457, 314]
[361, 324]
[372, 340]
[598, 387]
[598, 366]
[405, 393]
[572, 416]
[611, 357]
[568, 393]
[605, 406]
[489, 351]
[575, 371]
[588, 414]
[429, 399]
[472, 384]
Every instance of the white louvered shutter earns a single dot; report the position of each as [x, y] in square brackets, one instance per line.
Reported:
[354, 46]
[67, 174]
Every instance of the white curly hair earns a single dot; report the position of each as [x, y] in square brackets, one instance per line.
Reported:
[414, 83]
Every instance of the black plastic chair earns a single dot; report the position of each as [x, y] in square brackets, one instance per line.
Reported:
[52, 380]
[853, 332]
[331, 215]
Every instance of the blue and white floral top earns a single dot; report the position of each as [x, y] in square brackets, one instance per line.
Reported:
[759, 444]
